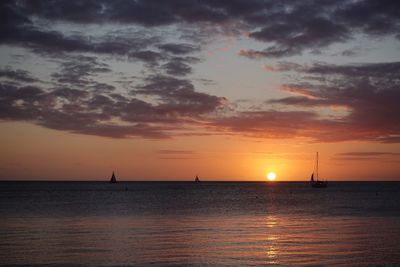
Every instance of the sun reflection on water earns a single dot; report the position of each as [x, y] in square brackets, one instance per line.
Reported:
[271, 239]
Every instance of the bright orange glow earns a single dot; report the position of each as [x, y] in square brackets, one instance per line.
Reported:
[30, 152]
[271, 176]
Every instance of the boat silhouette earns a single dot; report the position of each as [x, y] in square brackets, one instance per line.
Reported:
[113, 179]
[315, 182]
[197, 179]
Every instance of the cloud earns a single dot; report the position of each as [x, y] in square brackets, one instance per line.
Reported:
[177, 96]
[17, 75]
[171, 64]
[79, 100]
[302, 101]
[368, 154]
[177, 68]
[22, 25]
[78, 70]
[70, 110]
[106, 113]
[19, 29]
[383, 16]
[179, 49]
[369, 91]
[309, 32]
[288, 28]
[286, 66]
[150, 57]
[269, 124]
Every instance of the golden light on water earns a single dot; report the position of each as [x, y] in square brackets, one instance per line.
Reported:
[271, 176]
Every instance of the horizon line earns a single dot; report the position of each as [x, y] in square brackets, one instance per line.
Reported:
[190, 181]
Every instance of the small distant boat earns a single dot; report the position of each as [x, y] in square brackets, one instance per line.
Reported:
[315, 182]
[197, 179]
[113, 179]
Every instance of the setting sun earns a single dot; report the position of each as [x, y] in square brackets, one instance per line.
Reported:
[271, 176]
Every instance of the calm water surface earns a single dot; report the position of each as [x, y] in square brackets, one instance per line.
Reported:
[210, 223]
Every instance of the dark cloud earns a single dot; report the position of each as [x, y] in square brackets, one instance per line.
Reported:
[291, 27]
[372, 17]
[148, 13]
[71, 110]
[50, 42]
[79, 101]
[17, 75]
[73, 11]
[100, 87]
[172, 65]
[302, 101]
[350, 52]
[179, 49]
[177, 68]
[368, 154]
[70, 94]
[344, 158]
[21, 103]
[78, 70]
[298, 124]
[292, 38]
[177, 96]
[287, 27]
[17, 28]
[368, 91]
[68, 108]
[150, 57]
[374, 70]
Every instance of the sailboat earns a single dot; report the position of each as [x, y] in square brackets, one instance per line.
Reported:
[113, 179]
[197, 179]
[315, 182]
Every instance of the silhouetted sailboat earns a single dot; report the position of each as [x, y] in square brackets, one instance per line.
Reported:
[316, 183]
[113, 179]
[197, 179]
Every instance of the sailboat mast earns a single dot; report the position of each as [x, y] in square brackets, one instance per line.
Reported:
[317, 166]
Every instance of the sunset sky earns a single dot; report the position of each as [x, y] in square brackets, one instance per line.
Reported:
[226, 90]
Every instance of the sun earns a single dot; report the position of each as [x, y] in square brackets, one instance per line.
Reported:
[271, 176]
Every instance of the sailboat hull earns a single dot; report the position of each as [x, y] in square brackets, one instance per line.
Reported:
[319, 184]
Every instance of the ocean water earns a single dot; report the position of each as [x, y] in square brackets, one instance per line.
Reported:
[207, 223]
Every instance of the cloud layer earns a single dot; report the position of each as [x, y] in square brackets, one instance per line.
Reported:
[87, 94]
[287, 27]
[368, 92]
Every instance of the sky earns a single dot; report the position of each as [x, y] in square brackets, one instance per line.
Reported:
[226, 90]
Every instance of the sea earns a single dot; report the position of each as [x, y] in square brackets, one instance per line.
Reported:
[199, 224]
